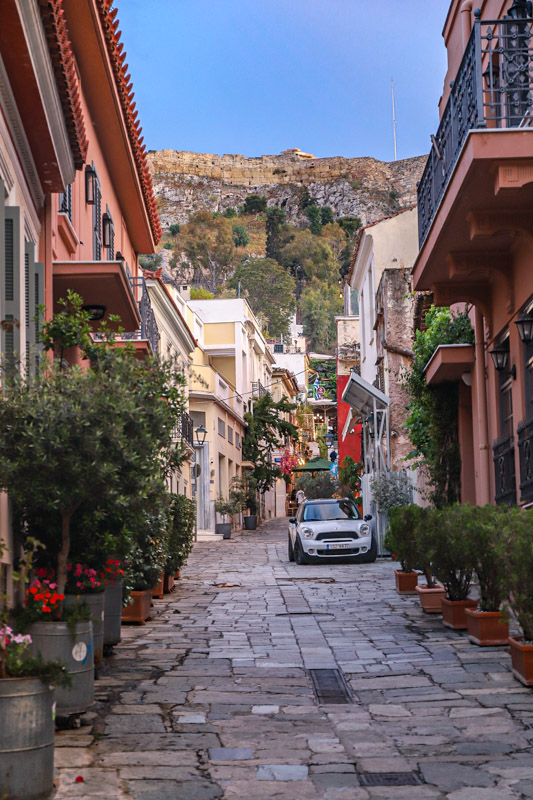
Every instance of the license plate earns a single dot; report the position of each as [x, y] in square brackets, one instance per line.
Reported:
[338, 546]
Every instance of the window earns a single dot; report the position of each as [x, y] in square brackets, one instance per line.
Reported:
[65, 201]
[528, 362]
[230, 434]
[237, 440]
[97, 220]
[506, 404]
[316, 512]
[222, 427]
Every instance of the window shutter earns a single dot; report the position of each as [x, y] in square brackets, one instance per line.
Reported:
[33, 283]
[97, 221]
[10, 265]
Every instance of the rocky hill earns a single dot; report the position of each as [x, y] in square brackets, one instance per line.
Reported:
[186, 182]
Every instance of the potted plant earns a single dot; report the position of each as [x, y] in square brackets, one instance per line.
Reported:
[401, 539]
[181, 533]
[486, 624]
[244, 492]
[453, 561]
[146, 560]
[27, 702]
[113, 579]
[516, 548]
[431, 593]
[226, 508]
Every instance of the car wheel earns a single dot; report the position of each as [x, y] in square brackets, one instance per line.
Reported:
[371, 556]
[299, 555]
[291, 550]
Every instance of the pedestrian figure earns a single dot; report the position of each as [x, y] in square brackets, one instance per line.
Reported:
[300, 497]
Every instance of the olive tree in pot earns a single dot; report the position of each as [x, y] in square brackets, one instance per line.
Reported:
[244, 492]
[486, 624]
[181, 533]
[72, 438]
[516, 548]
[401, 540]
[453, 561]
[147, 557]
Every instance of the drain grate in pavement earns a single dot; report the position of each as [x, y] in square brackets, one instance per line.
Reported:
[330, 686]
[389, 779]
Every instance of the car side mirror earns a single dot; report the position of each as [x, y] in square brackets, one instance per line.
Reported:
[292, 520]
[367, 517]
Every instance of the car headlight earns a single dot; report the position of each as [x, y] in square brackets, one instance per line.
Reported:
[307, 532]
[364, 530]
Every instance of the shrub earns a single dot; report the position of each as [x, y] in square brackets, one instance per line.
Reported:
[401, 535]
[322, 485]
[149, 550]
[516, 549]
[174, 229]
[240, 236]
[489, 565]
[313, 214]
[424, 539]
[453, 555]
[390, 489]
[168, 246]
[229, 213]
[199, 293]
[326, 215]
[181, 532]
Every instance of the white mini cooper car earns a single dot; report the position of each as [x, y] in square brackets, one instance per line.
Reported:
[330, 529]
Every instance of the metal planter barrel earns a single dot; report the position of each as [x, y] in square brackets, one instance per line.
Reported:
[73, 646]
[26, 739]
[112, 613]
[95, 601]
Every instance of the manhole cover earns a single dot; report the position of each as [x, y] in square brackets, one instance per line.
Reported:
[389, 779]
[330, 686]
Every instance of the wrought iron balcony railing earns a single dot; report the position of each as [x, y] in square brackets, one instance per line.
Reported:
[258, 390]
[148, 329]
[185, 429]
[525, 453]
[493, 89]
[504, 471]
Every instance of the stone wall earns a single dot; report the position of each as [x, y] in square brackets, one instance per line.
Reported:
[185, 182]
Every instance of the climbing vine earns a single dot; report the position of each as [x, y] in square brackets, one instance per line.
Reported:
[432, 419]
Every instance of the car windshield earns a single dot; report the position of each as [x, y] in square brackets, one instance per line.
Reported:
[317, 512]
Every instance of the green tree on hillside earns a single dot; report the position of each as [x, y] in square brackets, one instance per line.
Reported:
[314, 216]
[208, 244]
[254, 204]
[241, 236]
[326, 215]
[276, 234]
[311, 253]
[270, 291]
[320, 304]
[230, 212]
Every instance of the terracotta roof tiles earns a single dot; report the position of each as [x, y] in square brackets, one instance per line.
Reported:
[59, 46]
[117, 55]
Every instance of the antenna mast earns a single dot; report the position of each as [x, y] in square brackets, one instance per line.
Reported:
[394, 119]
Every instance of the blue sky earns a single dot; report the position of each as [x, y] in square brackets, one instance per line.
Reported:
[260, 76]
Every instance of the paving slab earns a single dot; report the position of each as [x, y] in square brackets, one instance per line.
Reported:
[216, 701]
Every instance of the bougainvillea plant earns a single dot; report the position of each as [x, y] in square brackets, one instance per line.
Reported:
[288, 462]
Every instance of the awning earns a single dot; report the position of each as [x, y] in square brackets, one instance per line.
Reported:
[351, 420]
[314, 465]
[362, 396]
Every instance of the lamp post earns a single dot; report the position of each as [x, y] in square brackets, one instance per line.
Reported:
[200, 435]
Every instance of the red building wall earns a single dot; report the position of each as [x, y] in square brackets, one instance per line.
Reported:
[351, 446]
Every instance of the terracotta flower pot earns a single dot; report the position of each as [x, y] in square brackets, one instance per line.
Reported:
[139, 608]
[168, 584]
[177, 576]
[431, 599]
[522, 661]
[159, 589]
[487, 628]
[406, 582]
[454, 613]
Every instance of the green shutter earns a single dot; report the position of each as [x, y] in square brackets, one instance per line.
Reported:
[10, 265]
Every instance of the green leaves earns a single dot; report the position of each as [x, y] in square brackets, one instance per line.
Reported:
[266, 430]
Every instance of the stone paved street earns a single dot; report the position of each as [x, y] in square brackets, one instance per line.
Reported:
[213, 698]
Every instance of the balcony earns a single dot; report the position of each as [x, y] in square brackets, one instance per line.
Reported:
[492, 93]
[98, 283]
[185, 429]
[525, 452]
[504, 471]
[258, 390]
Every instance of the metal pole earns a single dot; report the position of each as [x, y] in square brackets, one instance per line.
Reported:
[394, 119]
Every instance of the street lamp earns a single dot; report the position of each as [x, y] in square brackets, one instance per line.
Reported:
[200, 434]
[107, 229]
[500, 358]
[90, 185]
[525, 327]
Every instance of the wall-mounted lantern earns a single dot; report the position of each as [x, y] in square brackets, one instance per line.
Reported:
[107, 230]
[90, 185]
[525, 327]
[500, 357]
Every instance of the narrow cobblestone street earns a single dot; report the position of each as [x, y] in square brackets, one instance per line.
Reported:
[213, 698]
